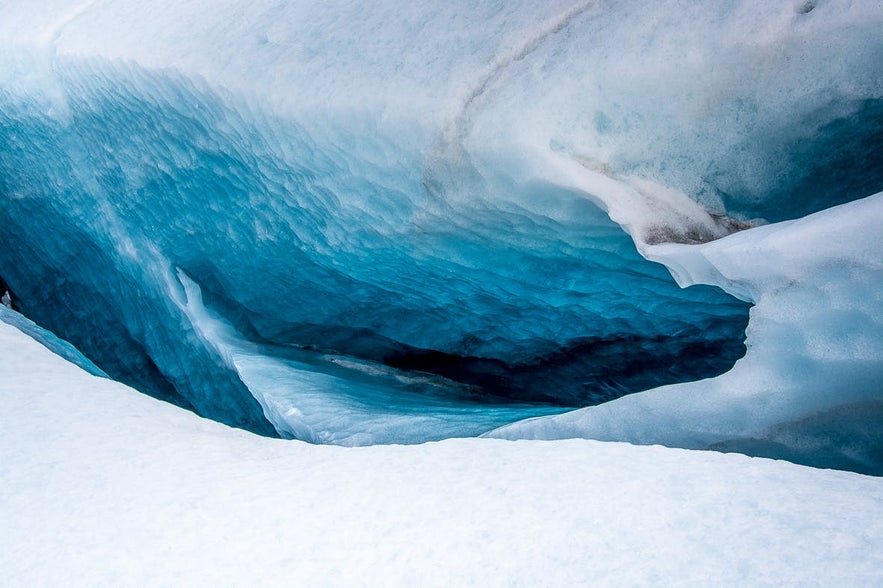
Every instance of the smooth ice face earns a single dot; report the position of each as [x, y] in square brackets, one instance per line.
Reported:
[459, 189]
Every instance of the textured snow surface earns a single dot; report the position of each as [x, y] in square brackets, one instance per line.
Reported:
[100, 485]
[810, 387]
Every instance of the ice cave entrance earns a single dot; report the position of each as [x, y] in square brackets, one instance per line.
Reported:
[339, 286]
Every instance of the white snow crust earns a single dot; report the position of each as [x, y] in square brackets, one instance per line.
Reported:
[102, 485]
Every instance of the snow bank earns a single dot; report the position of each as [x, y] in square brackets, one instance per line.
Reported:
[810, 388]
[102, 485]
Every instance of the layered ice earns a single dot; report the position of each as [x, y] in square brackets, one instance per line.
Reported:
[339, 400]
[512, 286]
[455, 194]
[810, 388]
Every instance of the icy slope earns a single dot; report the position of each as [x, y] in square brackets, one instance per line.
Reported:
[810, 388]
[58, 346]
[104, 486]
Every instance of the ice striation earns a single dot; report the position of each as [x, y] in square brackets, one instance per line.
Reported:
[809, 388]
[515, 290]
[391, 223]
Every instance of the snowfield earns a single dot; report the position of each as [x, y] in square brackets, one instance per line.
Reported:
[102, 485]
[335, 221]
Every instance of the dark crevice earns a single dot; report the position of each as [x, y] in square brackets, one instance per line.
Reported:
[7, 296]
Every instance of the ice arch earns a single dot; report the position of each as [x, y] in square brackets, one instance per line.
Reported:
[347, 180]
[520, 290]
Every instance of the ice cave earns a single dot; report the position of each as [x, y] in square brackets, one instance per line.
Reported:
[472, 220]
[463, 293]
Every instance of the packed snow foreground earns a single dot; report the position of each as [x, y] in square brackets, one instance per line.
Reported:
[272, 213]
[105, 486]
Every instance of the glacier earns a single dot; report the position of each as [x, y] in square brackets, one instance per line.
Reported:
[809, 388]
[399, 223]
[340, 256]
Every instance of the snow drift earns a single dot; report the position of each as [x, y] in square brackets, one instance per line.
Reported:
[102, 485]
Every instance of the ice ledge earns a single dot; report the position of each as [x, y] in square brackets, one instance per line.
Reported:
[815, 353]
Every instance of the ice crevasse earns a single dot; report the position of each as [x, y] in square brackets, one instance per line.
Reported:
[392, 223]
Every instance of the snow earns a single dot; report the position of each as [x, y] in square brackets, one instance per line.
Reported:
[104, 486]
[810, 387]
[741, 99]
[190, 189]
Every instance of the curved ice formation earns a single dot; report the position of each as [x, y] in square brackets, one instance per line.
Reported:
[519, 286]
[403, 186]
[58, 346]
[810, 388]
[340, 400]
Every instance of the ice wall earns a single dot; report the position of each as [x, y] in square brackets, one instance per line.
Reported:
[523, 289]
[333, 399]
[438, 187]
[810, 388]
[517, 286]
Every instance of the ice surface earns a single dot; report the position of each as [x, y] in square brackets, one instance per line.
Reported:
[102, 485]
[810, 387]
[435, 188]
[519, 287]
[342, 401]
[58, 346]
